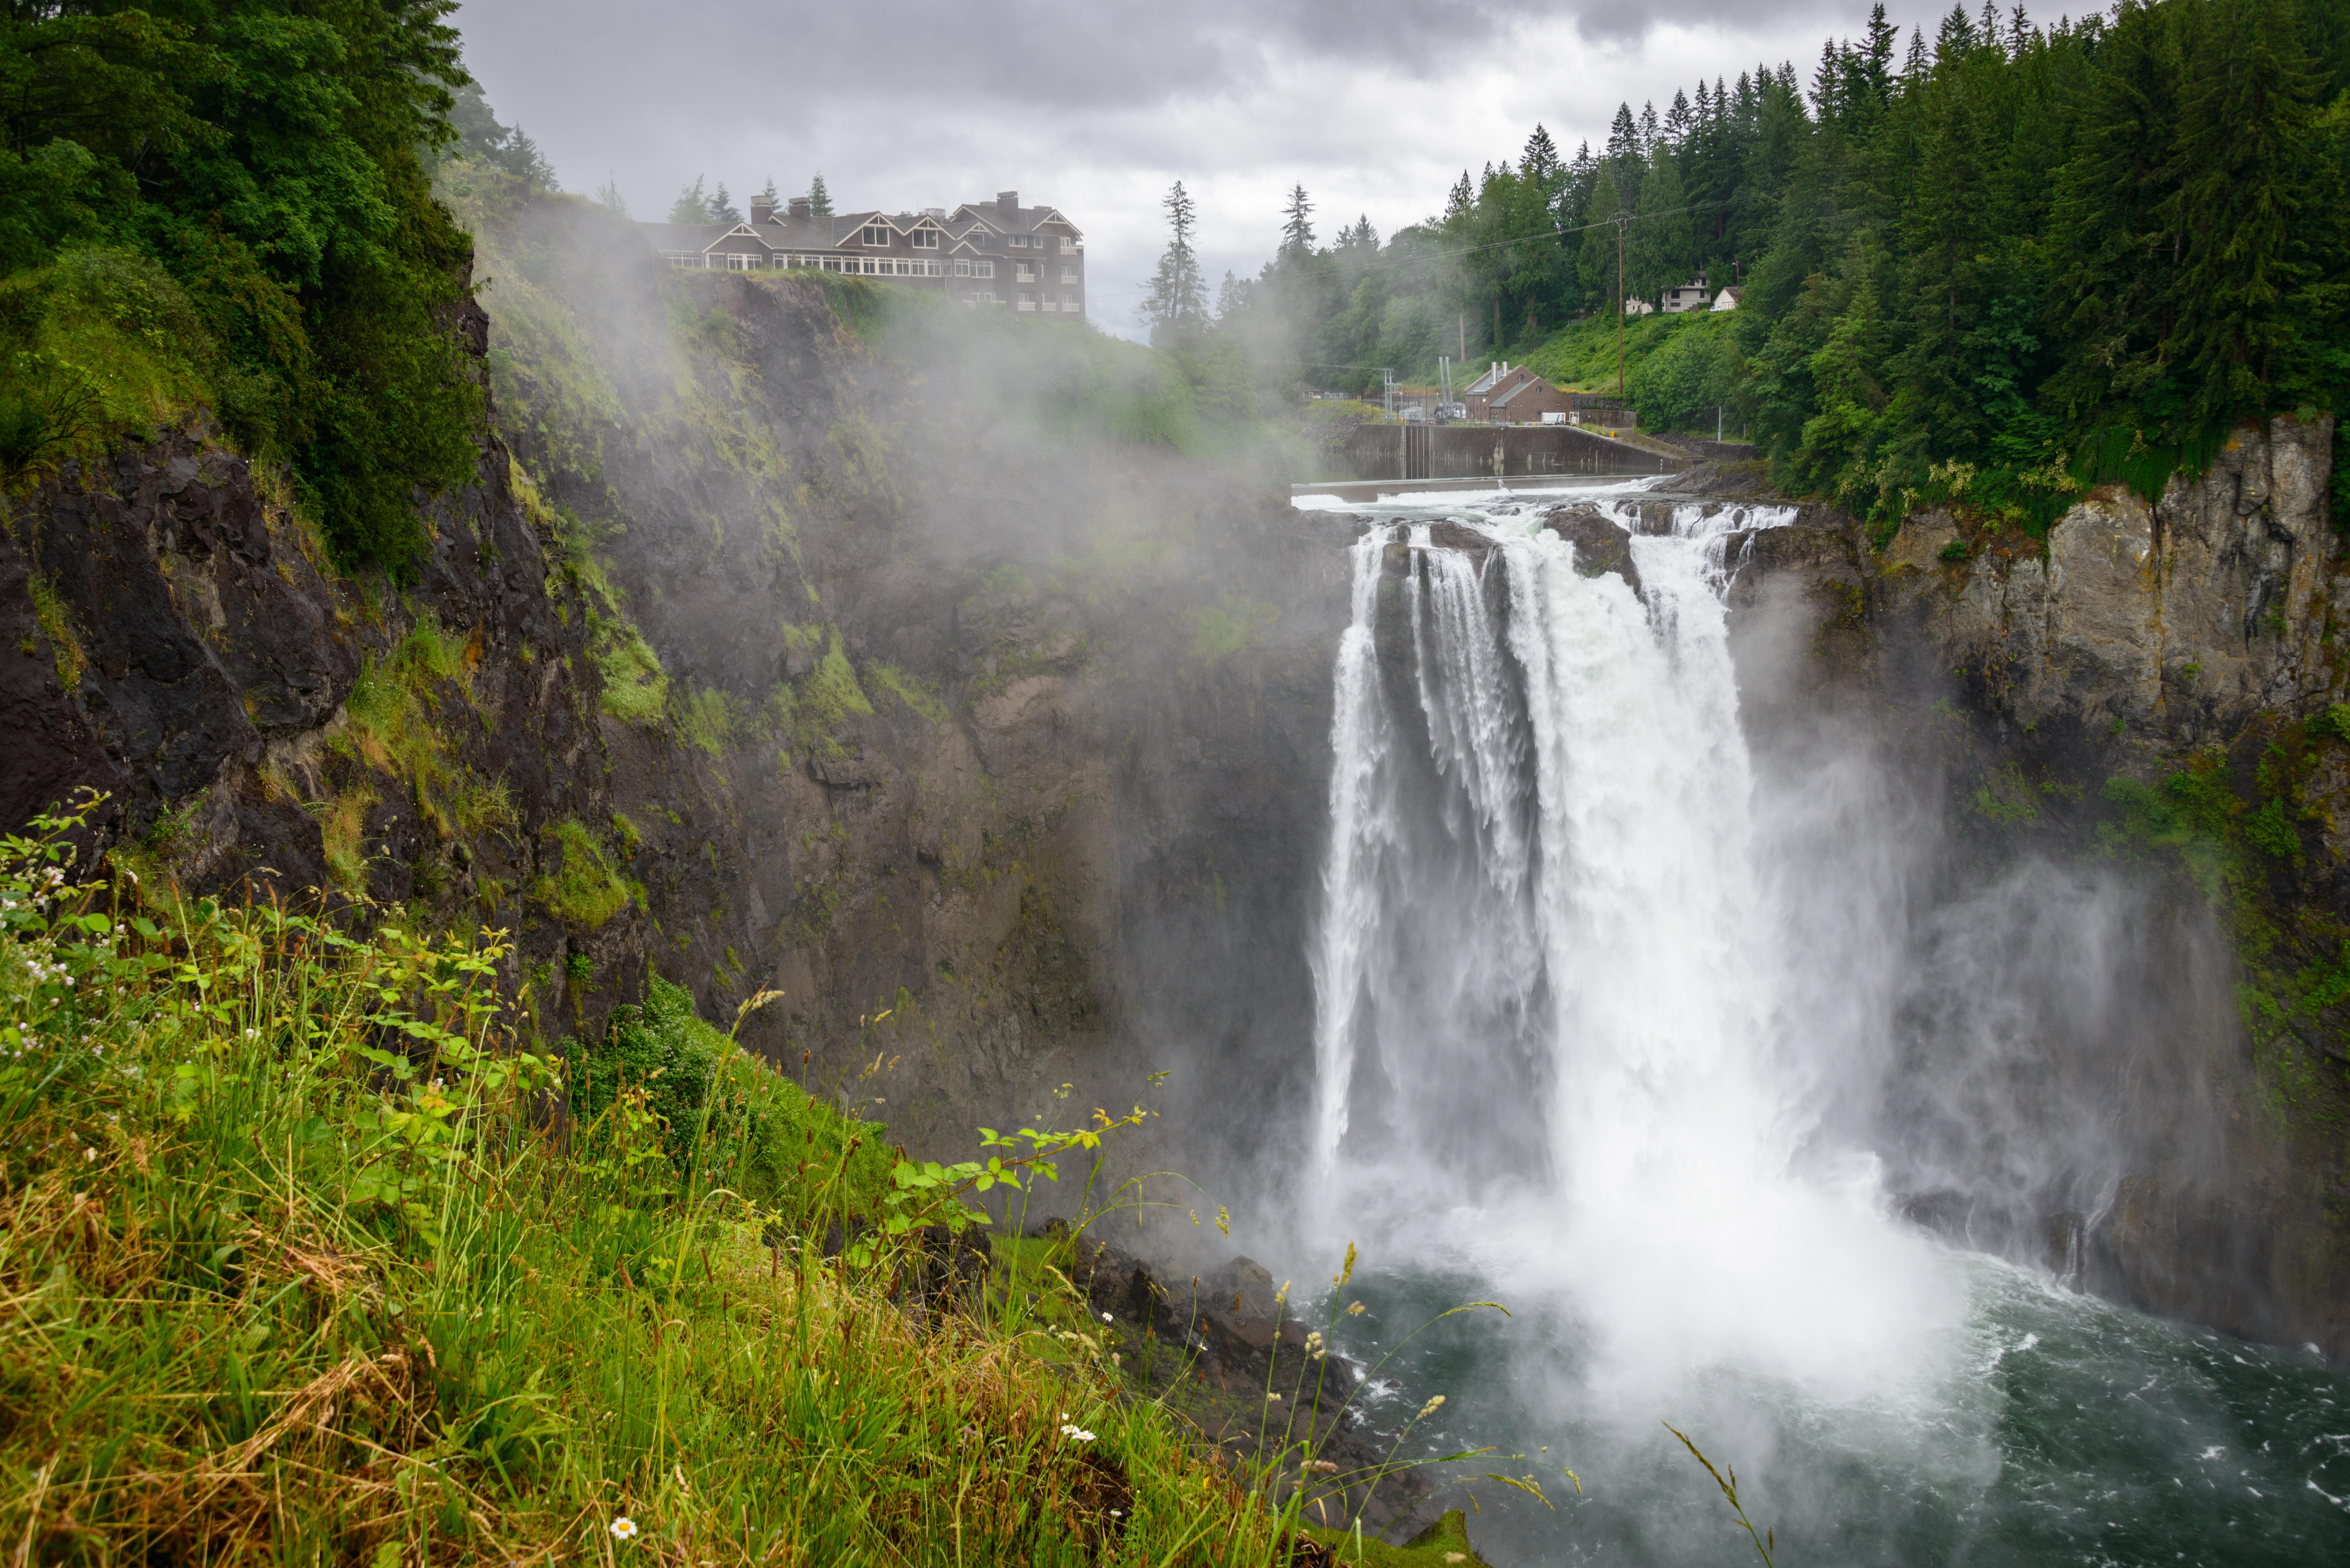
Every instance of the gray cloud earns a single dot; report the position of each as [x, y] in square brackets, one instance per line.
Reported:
[1374, 104]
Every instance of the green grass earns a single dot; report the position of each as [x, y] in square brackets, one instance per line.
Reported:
[307, 1261]
[1582, 356]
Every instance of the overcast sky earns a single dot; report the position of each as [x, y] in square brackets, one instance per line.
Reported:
[1376, 106]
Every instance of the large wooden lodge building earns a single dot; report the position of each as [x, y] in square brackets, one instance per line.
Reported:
[999, 253]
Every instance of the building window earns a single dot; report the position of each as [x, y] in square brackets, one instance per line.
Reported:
[1069, 273]
[873, 234]
[1022, 271]
[1027, 299]
[983, 266]
[926, 238]
[982, 297]
[935, 269]
[1070, 301]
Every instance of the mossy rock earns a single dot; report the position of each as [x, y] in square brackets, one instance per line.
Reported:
[1444, 1544]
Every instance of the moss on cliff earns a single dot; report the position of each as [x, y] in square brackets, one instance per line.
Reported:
[584, 889]
[2243, 825]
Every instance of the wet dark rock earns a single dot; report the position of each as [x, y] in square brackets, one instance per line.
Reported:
[1600, 544]
[1210, 1347]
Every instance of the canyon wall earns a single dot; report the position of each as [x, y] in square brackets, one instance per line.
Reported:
[2128, 778]
[761, 658]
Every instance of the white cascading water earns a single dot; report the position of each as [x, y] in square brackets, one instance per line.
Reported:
[1551, 1029]
[1596, 996]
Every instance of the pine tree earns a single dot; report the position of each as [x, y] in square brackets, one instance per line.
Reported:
[693, 204]
[1827, 85]
[819, 199]
[722, 206]
[1680, 119]
[1597, 265]
[1177, 302]
[1658, 242]
[2245, 178]
[767, 193]
[1947, 237]
[1461, 199]
[1541, 162]
[1296, 225]
[1624, 138]
[1575, 188]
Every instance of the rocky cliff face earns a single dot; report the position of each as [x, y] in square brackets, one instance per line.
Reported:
[2126, 774]
[749, 661]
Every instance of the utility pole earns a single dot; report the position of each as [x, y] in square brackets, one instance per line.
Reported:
[1464, 336]
[1623, 219]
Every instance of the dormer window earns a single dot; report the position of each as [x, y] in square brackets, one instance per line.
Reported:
[874, 235]
[1019, 242]
[926, 238]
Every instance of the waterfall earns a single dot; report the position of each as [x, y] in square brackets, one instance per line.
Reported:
[1613, 1019]
[1539, 872]
[1551, 987]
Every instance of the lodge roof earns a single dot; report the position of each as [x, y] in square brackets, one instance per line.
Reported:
[967, 225]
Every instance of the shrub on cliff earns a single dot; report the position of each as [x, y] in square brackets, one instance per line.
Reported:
[265, 157]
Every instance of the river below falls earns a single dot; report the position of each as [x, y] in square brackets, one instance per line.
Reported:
[1570, 1063]
[2065, 1430]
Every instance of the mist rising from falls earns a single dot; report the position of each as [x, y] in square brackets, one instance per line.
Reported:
[1559, 1029]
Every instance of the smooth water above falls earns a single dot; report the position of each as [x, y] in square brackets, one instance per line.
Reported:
[1595, 995]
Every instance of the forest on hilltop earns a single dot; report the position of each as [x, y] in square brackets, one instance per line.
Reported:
[1996, 264]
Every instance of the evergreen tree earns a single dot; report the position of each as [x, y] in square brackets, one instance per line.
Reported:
[1624, 149]
[1176, 303]
[1659, 241]
[767, 195]
[1296, 224]
[1541, 162]
[2245, 177]
[722, 206]
[1597, 265]
[1461, 199]
[819, 198]
[1948, 239]
[693, 204]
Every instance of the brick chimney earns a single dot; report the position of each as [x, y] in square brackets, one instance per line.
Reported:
[1008, 202]
[763, 210]
[799, 208]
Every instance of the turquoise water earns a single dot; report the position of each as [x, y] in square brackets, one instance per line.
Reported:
[2061, 1429]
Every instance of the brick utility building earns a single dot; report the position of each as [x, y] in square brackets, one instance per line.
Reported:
[1513, 395]
[993, 254]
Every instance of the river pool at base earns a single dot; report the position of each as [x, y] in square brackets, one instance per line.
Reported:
[2066, 1430]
